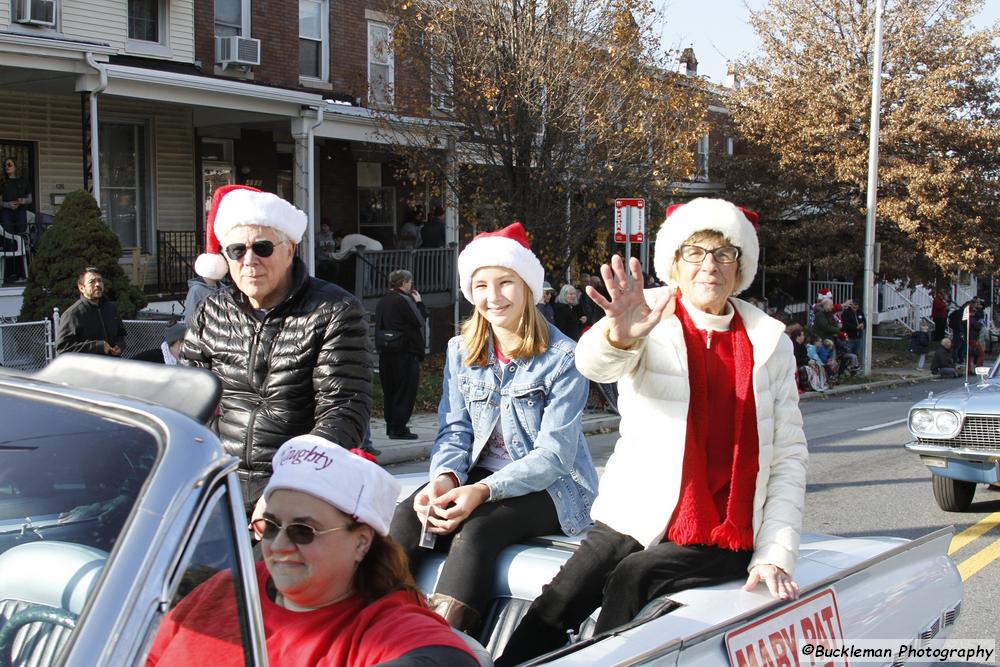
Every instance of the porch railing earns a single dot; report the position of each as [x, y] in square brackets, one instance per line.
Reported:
[908, 305]
[433, 270]
[175, 255]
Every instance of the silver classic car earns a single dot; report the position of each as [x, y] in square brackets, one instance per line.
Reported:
[957, 435]
[115, 502]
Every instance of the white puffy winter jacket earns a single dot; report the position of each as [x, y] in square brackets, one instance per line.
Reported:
[641, 482]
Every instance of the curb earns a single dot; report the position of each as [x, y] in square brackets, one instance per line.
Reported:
[415, 451]
[868, 386]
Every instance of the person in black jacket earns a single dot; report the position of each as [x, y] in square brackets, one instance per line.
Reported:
[401, 312]
[570, 318]
[91, 325]
[292, 351]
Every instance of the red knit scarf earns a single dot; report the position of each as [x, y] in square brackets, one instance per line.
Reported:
[696, 519]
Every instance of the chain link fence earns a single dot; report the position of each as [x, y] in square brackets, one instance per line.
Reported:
[28, 346]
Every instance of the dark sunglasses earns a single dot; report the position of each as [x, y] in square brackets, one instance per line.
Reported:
[297, 533]
[237, 251]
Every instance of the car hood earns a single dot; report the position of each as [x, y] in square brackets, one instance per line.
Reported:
[972, 399]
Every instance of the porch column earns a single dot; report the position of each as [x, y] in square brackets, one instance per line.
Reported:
[302, 179]
[451, 235]
[89, 87]
[451, 193]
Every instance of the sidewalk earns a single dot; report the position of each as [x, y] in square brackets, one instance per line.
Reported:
[425, 425]
[594, 421]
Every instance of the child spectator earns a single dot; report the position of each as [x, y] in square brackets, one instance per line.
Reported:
[816, 366]
[828, 353]
[919, 342]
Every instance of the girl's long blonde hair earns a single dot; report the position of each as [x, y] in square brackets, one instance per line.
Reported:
[533, 329]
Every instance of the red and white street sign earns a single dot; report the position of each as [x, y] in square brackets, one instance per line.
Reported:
[635, 211]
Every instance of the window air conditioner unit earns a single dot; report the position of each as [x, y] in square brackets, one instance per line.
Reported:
[237, 51]
[35, 12]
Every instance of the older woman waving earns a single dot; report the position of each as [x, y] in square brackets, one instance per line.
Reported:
[335, 589]
[707, 481]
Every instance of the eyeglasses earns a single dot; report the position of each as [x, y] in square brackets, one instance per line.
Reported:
[297, 533]
[237, 251]
[695, 254]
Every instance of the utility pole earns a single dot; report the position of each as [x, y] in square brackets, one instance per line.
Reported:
[869, 276]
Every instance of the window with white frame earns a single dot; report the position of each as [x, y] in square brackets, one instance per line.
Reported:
[381, 72]
[232, 18]
[314, 30]
[442, 76]
[34, 13]
[702, 159]
[147, 20]
[125, 182]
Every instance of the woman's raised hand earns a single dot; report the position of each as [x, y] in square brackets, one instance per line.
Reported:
[629, 316]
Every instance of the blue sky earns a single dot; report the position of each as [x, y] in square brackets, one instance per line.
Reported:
[718, 30]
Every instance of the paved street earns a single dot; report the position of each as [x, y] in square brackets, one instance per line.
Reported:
[862, 483]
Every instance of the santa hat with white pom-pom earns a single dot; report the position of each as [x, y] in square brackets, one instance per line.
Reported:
[238, 206]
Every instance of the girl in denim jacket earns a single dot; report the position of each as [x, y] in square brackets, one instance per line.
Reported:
[510, 461]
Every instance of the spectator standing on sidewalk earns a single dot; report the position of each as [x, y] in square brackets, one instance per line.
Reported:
[939, 314]
[399, 339]
[199, 288]
[827, 324]
[91, 325]
[510, 460]
[545, 305]
[920, 341]
[853, 323]
[292, 351]
[570, 316]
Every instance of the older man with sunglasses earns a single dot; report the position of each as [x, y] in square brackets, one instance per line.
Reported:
[291, 350]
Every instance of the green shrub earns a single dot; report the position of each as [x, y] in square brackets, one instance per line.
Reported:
[77, 239]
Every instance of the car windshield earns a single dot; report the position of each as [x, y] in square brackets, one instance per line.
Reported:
[69, 478]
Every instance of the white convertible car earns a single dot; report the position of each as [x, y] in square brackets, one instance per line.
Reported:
[115, 501]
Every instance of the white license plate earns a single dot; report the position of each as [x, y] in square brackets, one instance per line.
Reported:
[776, 638]
[932, 462]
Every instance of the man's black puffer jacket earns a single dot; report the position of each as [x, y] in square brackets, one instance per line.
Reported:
[304, 368]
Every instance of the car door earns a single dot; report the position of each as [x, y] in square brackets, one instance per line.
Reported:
[213, 597]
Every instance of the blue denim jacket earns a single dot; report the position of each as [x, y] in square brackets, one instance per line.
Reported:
[539, 403]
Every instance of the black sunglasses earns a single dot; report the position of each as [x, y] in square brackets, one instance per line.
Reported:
[297, 533]
[237, 251]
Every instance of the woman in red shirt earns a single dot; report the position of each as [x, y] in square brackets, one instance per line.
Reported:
[335, 589]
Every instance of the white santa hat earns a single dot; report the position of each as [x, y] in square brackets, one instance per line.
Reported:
[508, 248]
[349, 480]
[737, 224]
[237, 206]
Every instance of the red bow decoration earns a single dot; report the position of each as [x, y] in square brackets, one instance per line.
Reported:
[363, 454]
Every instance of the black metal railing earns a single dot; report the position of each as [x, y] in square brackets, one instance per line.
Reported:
[433, 270]
[175, 255]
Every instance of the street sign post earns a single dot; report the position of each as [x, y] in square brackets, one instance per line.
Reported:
[630, 227]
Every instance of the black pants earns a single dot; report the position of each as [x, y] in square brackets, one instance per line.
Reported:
[399, 373]
[472, 550]
[613, 571]
[940, 324]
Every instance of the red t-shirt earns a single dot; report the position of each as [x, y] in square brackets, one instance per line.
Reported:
[204, 630]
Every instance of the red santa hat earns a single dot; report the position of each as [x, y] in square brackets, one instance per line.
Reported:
[824, 294]
[238, 206]
[508, 248]
[737, 224]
